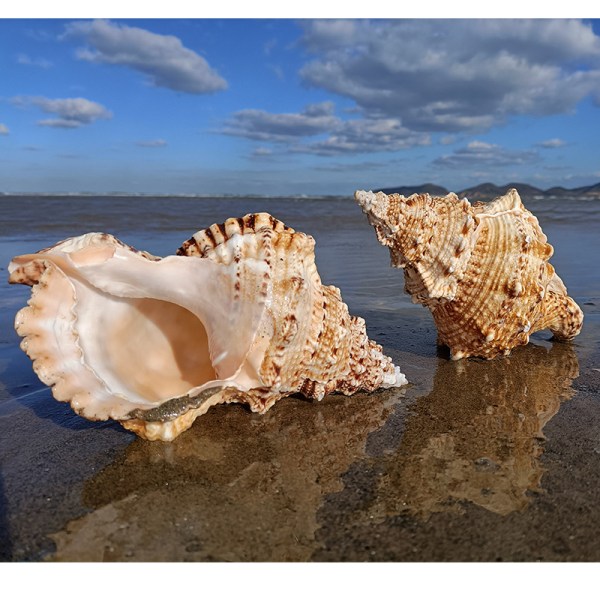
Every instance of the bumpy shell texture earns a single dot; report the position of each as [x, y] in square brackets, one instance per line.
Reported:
[238, 315]
[481, 269]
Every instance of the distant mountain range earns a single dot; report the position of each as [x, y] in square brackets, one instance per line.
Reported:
[488, 191]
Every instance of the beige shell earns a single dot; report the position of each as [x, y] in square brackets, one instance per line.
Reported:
[481, 269]
[240, 315]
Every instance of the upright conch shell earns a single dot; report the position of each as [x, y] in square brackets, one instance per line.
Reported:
[239, 315]
[481, 269]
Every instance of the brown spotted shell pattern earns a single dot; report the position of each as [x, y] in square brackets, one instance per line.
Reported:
[481, 269]
[238, 315]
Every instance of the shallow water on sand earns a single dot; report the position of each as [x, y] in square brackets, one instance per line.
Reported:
[496, 460]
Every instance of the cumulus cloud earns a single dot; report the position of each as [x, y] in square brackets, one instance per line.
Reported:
[334, 136]
[455, 75]
[163, 58]
[332, 34]
[264, 126]
[553, 143]
[70, 113]
[477, 154]
[3, 129]
[159, 143]
[359, 136]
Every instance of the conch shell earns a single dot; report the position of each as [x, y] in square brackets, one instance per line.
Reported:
[481, 269]
[239, 315]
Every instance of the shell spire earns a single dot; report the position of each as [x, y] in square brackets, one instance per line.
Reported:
[481, 269]
[238, 315]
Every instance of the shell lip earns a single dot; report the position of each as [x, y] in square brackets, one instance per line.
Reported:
[245, 376]
[174, 407]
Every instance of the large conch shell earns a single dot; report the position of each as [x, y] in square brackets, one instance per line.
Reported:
[481, 269]
[239, 315]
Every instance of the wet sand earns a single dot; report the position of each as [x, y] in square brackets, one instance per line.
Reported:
[473, 461]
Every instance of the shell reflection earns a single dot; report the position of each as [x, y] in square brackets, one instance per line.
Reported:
[477, 436]
[232, 492]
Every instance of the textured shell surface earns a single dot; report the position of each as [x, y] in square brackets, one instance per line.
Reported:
[481, 269]
[239, 314]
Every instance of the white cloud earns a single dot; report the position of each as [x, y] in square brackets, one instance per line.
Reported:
[159, 143]
[478, 146]
[553, 143]
[359, 136]
[477, 154]
[261, 152]
[261, 125]
[70, 113]
[163, 58]
[332, 34]
[336, 136]
[42, 63]
[455, 75]
[3, 129]
[278, 71]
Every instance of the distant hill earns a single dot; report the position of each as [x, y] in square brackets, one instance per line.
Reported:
[589, 190]
[483, 191]
[557, 191]
[489, 191]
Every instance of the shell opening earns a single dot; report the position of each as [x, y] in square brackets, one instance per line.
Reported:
[147, 350]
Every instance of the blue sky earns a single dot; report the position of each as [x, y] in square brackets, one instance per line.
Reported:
[282, 106]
